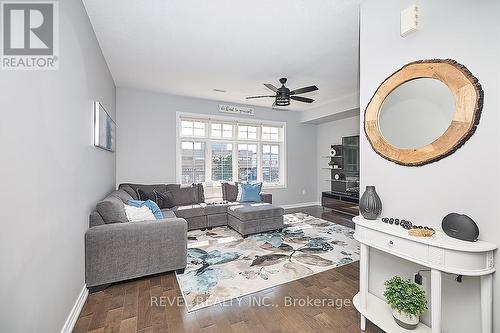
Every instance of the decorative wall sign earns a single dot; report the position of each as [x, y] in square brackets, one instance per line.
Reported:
[236, 109]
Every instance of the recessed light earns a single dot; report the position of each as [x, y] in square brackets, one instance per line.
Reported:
[220, 90]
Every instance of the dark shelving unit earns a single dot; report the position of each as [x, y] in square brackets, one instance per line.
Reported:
[344, 189]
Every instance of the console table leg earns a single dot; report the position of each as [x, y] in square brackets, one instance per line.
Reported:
[363, 323]
[364, 263]
[486, 303]
[436, 300]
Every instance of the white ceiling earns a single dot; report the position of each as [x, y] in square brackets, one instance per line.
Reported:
[190, 47]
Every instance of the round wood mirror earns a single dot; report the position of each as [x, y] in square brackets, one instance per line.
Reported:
[423, 112]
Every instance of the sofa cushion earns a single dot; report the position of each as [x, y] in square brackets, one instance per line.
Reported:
[127, 188]
[123, 195]
[229, 191]
[170, 187]
[218, 208]
[111, 210]
[168, 214]
[178, 197]
[186, 211]
[95, 219]
[146, 188]
[254, 211]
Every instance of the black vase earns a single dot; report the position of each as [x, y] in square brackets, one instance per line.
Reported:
[370, 205]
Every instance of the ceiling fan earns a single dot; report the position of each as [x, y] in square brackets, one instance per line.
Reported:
[284, 95]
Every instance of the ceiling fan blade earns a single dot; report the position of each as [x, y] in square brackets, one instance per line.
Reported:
[270, 86]
[303, 90]
[302, 99]
[250, 97]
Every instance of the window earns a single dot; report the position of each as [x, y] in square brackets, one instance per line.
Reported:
[247, 132]
[271, 163]
[270, 133]
[247, 162]
[222, 130]
[229, 149]
[192, 128]
[193, 162]
[222, 161]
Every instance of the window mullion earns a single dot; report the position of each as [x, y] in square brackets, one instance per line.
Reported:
[208, 161]
[235, 161]
[260, 171]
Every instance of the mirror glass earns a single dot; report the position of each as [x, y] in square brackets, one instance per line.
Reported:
[416, 113]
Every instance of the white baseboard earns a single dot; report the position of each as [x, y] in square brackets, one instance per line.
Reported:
[302, 204]
[75, 311]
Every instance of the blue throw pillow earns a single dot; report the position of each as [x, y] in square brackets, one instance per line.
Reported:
[251, 192]
[150, 204]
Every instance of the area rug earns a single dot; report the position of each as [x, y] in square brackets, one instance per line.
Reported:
[221, 265]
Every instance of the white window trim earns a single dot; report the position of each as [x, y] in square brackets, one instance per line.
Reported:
[207, 139]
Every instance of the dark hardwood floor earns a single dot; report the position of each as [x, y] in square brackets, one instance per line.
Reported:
[127, 306]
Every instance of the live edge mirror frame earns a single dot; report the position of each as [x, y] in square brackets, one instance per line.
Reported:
[468, 95]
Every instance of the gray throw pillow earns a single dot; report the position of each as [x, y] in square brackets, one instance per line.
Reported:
[144, 196]
[201, 192]
[178, 197]
[230, 191]
[111, 210]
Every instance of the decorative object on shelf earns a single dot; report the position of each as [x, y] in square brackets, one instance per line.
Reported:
[336, 150]
[334, 165]
[407, 301]
[460, 226]
[423, 232]
[104, 128]
[370, 205]
[338, 176]
[413, 230]
[415, 135]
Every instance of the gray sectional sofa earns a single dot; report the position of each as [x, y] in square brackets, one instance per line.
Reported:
[117, 250]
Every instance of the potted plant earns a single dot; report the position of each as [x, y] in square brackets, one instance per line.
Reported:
[407, 301]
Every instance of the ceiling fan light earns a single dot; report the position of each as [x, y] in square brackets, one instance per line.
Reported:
[282, 101]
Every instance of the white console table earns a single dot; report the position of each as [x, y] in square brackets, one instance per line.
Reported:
[440, 253]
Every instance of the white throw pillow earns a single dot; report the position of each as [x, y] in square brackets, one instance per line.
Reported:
[138, 214]
[238, 197]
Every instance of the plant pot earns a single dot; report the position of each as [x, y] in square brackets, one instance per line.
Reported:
[405, 320]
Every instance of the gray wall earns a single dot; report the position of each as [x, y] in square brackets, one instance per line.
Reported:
[147, 143]
[467, 181]
[51, 177]
[328, 134]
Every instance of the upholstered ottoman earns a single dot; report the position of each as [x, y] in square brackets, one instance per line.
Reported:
[253, 218]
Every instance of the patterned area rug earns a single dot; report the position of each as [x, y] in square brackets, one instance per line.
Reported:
[222, 265]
